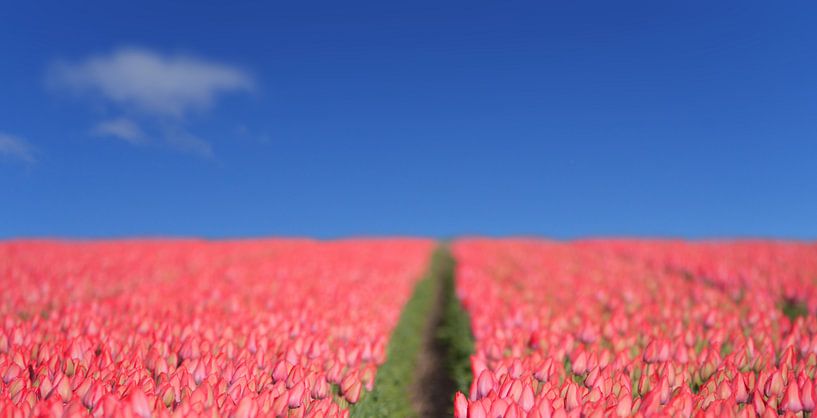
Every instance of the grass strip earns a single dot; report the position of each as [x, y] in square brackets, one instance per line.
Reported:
[433, 313]
[454, 332]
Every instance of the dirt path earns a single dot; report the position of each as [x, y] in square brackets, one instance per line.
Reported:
[433, 389]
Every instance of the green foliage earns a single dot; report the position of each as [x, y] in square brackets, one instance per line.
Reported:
[793, 308]
[455, 330]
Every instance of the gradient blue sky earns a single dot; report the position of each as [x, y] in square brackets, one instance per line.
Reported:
[327, 119]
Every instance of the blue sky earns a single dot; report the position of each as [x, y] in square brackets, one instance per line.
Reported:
[328, 119]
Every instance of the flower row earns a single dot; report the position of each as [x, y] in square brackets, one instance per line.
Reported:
[638, 328]
[187, 328]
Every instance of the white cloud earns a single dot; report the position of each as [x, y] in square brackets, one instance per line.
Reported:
[156, 91]
[15, 147]
[187, 142]
[122, 128]
[164, 85]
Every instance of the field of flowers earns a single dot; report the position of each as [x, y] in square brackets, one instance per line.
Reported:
[621, 328]
[383, 328]
[193, 328]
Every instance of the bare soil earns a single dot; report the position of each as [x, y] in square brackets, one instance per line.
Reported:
[432, 392]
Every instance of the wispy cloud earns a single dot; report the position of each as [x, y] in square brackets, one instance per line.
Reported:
[155, 90]
[121, 128]
[167, 85]
[15, 147]
[187, 142]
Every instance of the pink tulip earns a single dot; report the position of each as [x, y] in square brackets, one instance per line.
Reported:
[193, 328]
[646, 318]
[485, 384]
[791, 399]
[807, 395]
[353, 394]
[527, 400]
[476, 410]
[247, 408]
[296, 395]
[739, 389]
[498, 408]
[460, 406]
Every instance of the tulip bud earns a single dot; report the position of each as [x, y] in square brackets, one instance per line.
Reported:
[11, 372]
[321, 389]
[16, 388]
[791, 399]
[527, 400]
[476, 410]
[168, 397]
[757, 402]
[279, 406]
[64, 389]
[723, 390]
[353, 394]
[544, 370]
[807, 396]
[579, 365]
[624, 406]
[571, 397]
[139, 403]
[92, 396]
[247, 408]
[367, 376]
[774, 386]
[460, 406]
[498, 408]
[516, 390]
[739, 389]
[296, 395]
[513, 411]
[280, 372]
[485, 384]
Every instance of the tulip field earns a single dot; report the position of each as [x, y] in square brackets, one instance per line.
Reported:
[475, 328]
[629, 328]
[241, 329]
